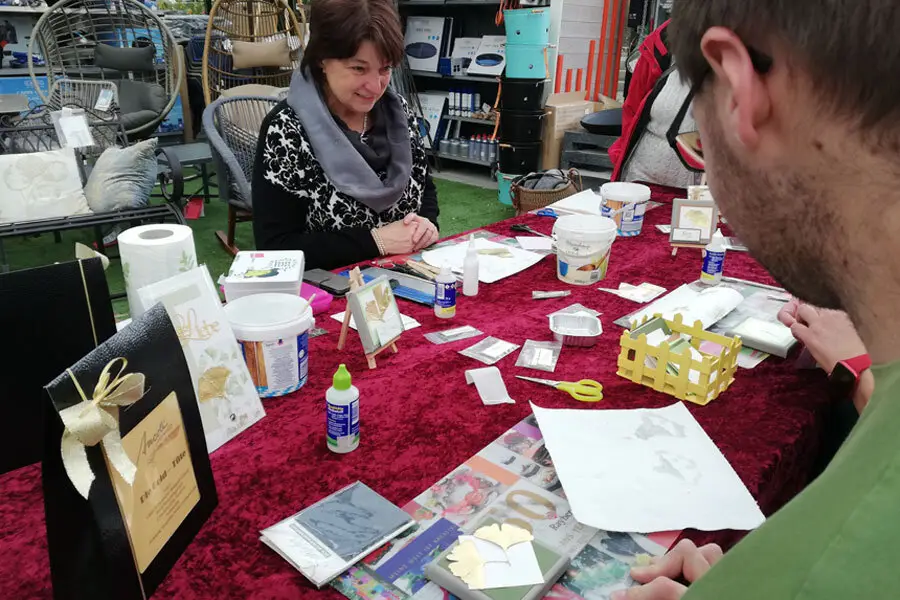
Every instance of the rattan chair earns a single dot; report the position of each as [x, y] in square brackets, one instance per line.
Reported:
[232, 126]
[251, 43]
[118, 41]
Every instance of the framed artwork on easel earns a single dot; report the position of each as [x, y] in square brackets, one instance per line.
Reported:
[376, 315]
[694, 219]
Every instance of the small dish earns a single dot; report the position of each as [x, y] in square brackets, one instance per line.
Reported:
[576, 329]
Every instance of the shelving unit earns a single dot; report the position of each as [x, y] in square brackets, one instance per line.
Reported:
[471, 18]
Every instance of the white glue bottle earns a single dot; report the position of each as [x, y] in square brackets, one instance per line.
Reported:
[470, 269]
[713, 260]
[445, 294]
[342, 413]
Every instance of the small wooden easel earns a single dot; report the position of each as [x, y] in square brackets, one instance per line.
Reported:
[356, 282]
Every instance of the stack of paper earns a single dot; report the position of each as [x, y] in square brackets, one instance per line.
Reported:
[495, 261]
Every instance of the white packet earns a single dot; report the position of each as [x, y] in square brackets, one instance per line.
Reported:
[575, 309]
[539, 355]
[489, 350]
[453, 335]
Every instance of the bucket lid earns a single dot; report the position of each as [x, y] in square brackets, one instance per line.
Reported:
[263, 317]
[625, 192]
[585, 225]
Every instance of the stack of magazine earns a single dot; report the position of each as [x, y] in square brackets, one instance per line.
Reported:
[335, 533]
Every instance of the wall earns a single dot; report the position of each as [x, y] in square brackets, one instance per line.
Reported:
[579, 22]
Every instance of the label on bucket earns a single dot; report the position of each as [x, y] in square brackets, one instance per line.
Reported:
[629, 216]
[278, 367]
[582, 270]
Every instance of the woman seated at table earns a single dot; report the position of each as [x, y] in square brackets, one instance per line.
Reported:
[340, 170]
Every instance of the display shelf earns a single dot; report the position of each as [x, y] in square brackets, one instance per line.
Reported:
[434, 75]
[465, 159]
[486, 122]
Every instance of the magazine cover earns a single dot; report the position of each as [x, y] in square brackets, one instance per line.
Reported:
[512, 479]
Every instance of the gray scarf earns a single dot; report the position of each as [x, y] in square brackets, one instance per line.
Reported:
[343, 165]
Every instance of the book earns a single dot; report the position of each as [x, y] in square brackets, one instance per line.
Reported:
[511, 478]
[552, 563]
[333, 534]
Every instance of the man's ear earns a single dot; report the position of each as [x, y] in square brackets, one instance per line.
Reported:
[741, 87]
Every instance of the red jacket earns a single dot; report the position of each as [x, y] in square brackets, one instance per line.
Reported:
[653, 62]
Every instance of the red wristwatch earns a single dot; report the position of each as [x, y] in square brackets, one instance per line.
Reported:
[846, 373]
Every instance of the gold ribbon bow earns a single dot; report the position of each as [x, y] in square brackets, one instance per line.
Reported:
[95, 421]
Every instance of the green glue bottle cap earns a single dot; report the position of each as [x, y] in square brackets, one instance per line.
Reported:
[342, 379]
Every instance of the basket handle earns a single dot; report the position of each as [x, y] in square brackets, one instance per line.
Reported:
[572, 174]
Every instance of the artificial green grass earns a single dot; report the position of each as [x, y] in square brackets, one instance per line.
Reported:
[463, 207]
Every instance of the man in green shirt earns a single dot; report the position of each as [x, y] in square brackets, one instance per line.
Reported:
[798, 108]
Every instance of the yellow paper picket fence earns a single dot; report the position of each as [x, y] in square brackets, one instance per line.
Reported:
[716, 373]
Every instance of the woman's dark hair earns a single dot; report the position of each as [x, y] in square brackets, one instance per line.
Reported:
[338, 27]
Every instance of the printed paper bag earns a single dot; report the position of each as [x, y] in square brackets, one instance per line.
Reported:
[126, 475]
[50, 317]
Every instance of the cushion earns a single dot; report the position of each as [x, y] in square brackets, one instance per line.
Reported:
[122, 177]
[261, 54]
[40, 185]
[124, 59]
[140, 102]
[253, 89]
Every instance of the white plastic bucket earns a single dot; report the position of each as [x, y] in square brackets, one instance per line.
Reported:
[583, 244]
[273, 332]
[625, 203]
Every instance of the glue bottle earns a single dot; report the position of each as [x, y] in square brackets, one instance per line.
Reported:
[713, 260]
[470, 269]
[342, 412]
[445, 294]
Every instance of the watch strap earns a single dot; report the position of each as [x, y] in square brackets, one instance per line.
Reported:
[858, 364]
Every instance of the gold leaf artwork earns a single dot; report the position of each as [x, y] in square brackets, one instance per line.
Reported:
[212, 383]
[467, 564]
[506, 536]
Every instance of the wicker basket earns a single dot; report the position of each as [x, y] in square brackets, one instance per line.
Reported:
[526, 200]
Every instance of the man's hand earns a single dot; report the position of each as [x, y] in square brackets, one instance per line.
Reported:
[827, 334]
[685, 561]
[425, 232]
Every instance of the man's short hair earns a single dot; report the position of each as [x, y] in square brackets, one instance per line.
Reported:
[849, 49]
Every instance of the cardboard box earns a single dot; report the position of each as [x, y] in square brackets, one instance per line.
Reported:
[432, 104]
[565, 112]
[424, 42]
[490, 59]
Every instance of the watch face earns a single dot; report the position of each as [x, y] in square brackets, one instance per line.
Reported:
[842, 382]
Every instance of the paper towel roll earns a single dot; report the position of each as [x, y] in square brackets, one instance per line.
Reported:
[151, 253]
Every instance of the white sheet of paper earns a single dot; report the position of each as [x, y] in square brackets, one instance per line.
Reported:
[642, 293]
[408, 322]
[666, 229]
[490, 386]
[491, 269]
[516, 567]
[708, 306]
[76, 131]
[775, 333]
[586, 202]
[535, 243]
[650, 470]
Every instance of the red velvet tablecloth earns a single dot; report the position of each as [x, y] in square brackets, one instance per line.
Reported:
[420, 420]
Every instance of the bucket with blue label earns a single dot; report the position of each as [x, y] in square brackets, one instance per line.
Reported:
[625, 203]
[273, 332]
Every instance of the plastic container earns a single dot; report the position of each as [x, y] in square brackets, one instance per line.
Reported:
[470, 269]
[504, 185]
[444, 146]
[524, 94]
[625, 203]
[445, 294]
[269, 272]
[576, 330]
[521, 127]
[520, 158]
[322, 299]
[527, 26]
[342, 413]
[583, 246]
[527, 61]
[713, 260]
[273, 331]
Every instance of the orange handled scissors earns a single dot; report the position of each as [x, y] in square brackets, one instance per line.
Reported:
[586, 390]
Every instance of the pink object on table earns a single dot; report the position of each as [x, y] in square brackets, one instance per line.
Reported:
[322, 300]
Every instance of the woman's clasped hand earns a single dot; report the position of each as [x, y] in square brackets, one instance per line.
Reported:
[411, 234]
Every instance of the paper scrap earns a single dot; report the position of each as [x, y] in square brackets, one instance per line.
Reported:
[576, 309]
[666, 229]
[650, 470]
[504, 535]
[489, 383]
[707, 306]
[642, 293]
[536, 295]
[586, 202]
[535, 243]
[748, 358]
[492, 267]
[485, 565]
[408, 322]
